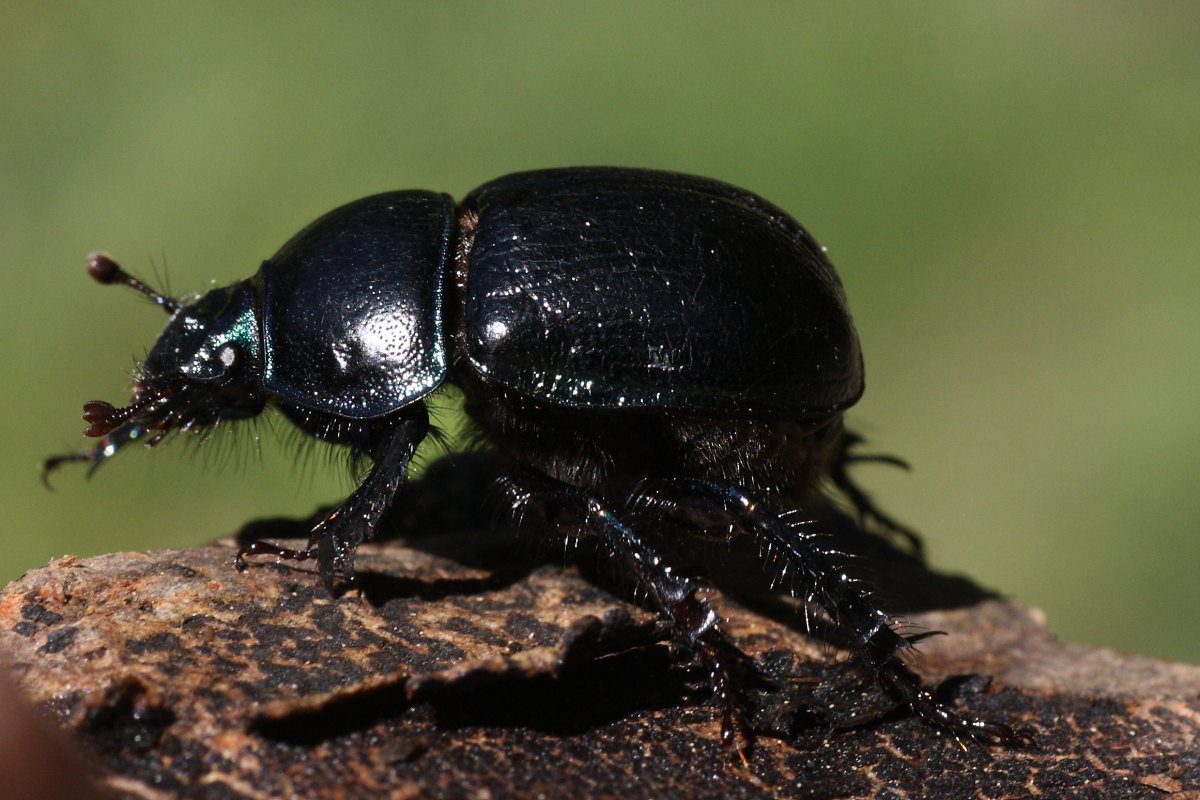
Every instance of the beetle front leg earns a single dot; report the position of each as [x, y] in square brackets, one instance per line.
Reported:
[334, 540]
[814, 575]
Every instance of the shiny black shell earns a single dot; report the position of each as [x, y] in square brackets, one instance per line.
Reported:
[591, 288]
[615, 288]
[352, 306]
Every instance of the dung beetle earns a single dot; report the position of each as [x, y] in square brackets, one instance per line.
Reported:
[647, 351]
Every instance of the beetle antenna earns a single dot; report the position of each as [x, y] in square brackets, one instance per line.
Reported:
[102, 267]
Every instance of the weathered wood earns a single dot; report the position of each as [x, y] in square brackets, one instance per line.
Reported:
[466, 668]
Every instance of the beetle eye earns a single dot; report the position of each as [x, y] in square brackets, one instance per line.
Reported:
[226, 361]
[227, 356]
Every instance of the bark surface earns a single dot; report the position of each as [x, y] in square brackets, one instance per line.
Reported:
[462, 665]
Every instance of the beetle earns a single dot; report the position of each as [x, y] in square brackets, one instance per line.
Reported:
[641, 347]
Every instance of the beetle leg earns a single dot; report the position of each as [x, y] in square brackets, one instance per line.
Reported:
[864, 507]
[692, 619]
[335, 538]
[341, 532]
[814, 572]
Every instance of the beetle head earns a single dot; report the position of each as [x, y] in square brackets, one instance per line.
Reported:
[206, 364]
[205, 367]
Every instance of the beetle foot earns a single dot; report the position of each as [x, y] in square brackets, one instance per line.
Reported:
[332, 543]
[896, 679]
[259, 547]
[328, 544]
[729, 671]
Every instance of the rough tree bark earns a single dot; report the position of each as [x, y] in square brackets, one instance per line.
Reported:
[462, 665]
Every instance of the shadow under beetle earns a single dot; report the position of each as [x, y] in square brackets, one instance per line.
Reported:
[649, 352]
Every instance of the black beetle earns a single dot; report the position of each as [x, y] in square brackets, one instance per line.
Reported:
[638, 345]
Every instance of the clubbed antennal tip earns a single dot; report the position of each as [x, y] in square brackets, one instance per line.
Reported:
[101, 267]
[102, 418]
[104, 269]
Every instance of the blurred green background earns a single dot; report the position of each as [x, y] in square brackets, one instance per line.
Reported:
[1011, 193]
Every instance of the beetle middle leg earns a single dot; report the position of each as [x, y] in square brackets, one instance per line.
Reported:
[679, 599]
[814, 575]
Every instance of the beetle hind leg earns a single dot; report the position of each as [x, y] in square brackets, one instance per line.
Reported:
[816, 576]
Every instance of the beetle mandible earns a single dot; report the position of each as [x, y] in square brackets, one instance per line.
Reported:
[636, 344]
